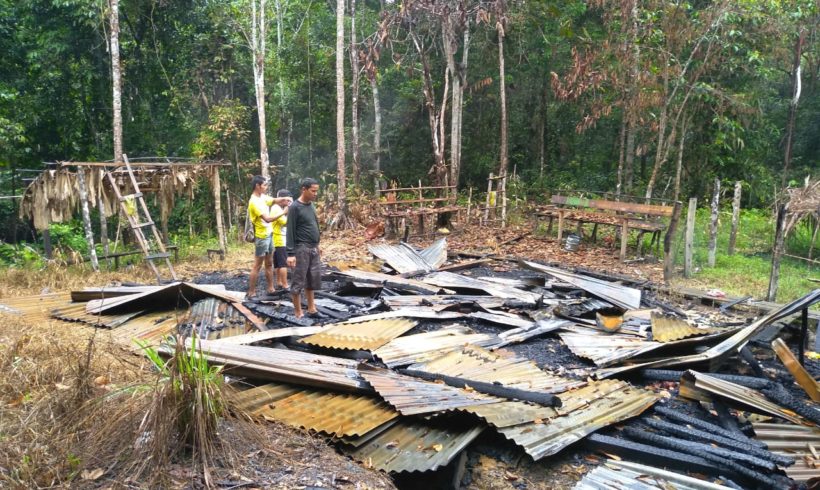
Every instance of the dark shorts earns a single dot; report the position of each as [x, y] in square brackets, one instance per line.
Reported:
[280, 257]
[308, 271]
[263, 246]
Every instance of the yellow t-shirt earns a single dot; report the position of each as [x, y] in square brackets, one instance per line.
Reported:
[279, 226]
[257, 206]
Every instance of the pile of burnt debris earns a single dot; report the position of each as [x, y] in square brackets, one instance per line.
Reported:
[406, 366]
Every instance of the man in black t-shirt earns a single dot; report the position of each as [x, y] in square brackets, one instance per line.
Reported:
[303, 248]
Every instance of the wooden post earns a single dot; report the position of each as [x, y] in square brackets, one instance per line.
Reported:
[690, 237]
[47, 243]
[624, 237]
[220, 229]
[503, 201]
[735, 219]
[89, 234]
[421, 196]
[813, 238]
[713, 224]
[469, 205]
[669, 244]
[777, 251]
[487, 206]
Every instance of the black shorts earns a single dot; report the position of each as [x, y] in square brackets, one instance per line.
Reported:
[280, 257]
[308, 271]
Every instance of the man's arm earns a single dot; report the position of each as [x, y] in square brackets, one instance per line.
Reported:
[281, 202]
[290, 237]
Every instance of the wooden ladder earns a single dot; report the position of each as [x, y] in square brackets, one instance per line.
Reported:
[134, 208]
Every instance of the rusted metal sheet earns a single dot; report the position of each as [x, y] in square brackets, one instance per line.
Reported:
[404, 258]
[625, 475]
[360, 336]
[276, 333]
[409, 312]
[583, 412]
[623, 296]
[336, 414]
[607, 349]
[452, 280]
[715, 356]
[542, 326]
[425, 346]
[35, 307]
[76, 313]
[510, 413]
[414, 446]
[168, 295]
[669, 329]
[796, 441]
[501, 367]
[212, 318]
[413, 396]
[150, 328]
[701, 386]
[285, 366]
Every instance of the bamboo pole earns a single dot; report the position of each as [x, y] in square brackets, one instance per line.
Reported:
[713, 225]
[735, 218]
[690, 238]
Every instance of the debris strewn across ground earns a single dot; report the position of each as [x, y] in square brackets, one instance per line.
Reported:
[452, 365]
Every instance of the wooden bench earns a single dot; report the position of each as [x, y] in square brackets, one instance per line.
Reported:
[426, 203]
[646, 218]
[116, 256]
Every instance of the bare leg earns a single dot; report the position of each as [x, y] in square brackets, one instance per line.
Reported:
[257, 264]
[297, 305]
[311, 306]
[269, 272]
[282, 277]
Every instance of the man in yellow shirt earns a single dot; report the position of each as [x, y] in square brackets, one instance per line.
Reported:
[259, 214]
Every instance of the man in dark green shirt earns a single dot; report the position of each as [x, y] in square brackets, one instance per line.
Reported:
[303, 248]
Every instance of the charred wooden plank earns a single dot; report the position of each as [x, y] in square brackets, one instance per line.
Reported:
[702, 424]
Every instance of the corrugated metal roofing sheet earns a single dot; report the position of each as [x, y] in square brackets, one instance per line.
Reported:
[75, 312]
[701, 386]
[441, 301]
[510, 413]
[425, 346]
[623, 475]
[797, 441]
[623, 296]
[583, 412]
[412, 446]
[413, 396]
[404, 258]
[286, 366]
[167, 295]
[607, 349]
[502, 367]
[717, 354]
[378, 278]
[452, 280]
[212, 318]
[331, 413]
[668, 329]
[361, 336]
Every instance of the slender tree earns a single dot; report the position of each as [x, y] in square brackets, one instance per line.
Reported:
[354, 96]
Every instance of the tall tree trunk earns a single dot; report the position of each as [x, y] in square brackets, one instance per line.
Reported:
[116, 78]
[542, 123]
[377, 128]
[459, 75]
[435, 117]
[283, 114]
[679, 166]
[217, 188]
[340, 221]
[258, 36]
[502, 168]
[787, 152]
[622, 147]
[631, 126]
[354, 88]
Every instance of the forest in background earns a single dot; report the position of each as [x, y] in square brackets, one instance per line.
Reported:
[604, 95]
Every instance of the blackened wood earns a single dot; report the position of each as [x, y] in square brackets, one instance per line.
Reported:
[651, 454]
[671, 375]
[546, 399]
[747, 355]
[804, 335]
[702, 424]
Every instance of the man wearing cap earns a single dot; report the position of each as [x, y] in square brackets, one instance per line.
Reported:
[260, 216]
[303, 248]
